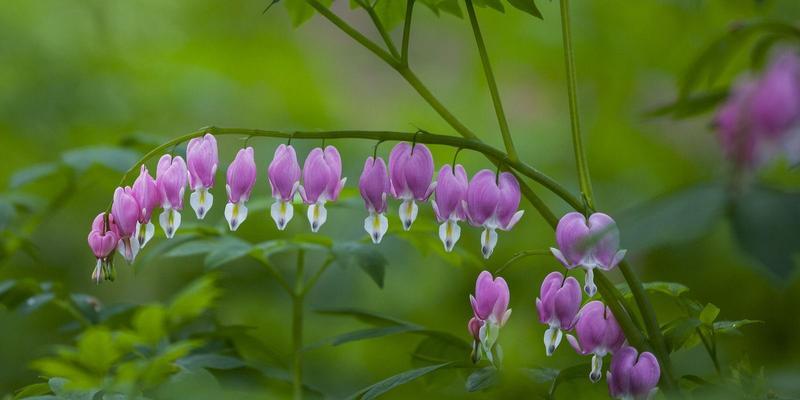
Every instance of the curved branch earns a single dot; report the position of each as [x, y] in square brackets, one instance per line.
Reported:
[493, 154]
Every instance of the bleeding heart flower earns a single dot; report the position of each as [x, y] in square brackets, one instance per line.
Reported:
[490, 308]
[241, 176]
[492, 203]
[103, 239]
[373, 186]
[145, 190]
[451, 192]
[589, 244]
[284, 179]
[171, 177]
[632, 375]
[598, 333]
[125, 210]
[410, 174]
[322, 182]
[558, 305]
[202, 161]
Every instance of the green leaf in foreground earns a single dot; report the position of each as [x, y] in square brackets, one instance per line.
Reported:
[365, 256]
[528, 6]
[390, 383]
[482, 379]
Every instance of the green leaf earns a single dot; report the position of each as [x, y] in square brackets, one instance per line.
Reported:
[149, 323]
[364, 334]
[225, 250]
[766, 224]
[390, 12]
[365, 316]
[390, 383]
[365, 256]
[681, 333]
[482, 379]
[32, 174]
[193, 300]
[117, 159]
[691, 105]
[529, 6]
[440, 347]
[495, 4]
[36, 389]
[672, 289]
[675, 218]
[556, 377]
[210, 361]
[709, 314]
[300, 11]
[732, 327]
[97, 350]
[452, 7]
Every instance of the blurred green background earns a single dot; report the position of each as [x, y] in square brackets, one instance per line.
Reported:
[130, 75]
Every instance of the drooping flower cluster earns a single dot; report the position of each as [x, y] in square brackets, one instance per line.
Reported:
[761, 117]
[592, 243]
[490, 200]
[490, 313]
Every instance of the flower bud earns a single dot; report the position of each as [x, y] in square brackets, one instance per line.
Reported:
[492, 202]
[592, 243]
[284, 180]
[241, 176]
[202, 161]
[322, 182]
[171, 177]
[410, 174]
[145, 190]
[558, 305]
[598, 333]
[633, 375]
[451, 192]
[102, 241]
[373, 186]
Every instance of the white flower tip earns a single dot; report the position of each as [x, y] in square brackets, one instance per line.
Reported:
[235, 214]
[281, 212]
[376, 226]
[408, 213]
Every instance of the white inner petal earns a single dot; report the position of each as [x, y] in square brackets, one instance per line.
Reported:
[552, 338]
[597, 368]
[449, 233]
[128, 248]
[201, 201]
[376, 226]
[170, 220]
[235, 214]
[317, 215]
[144, 233]
[589, 287]
[408, 213]
[282, 212]
[488, 241]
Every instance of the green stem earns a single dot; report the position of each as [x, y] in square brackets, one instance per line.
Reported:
[274, 272]
[406, 32]
[490, 80]
[577, 144]
[712, 354]
[615, 302]
[297, 328]
[520, 255]
[314, 278]
[382, 31]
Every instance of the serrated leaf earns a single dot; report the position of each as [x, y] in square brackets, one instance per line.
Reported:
[732, 327]
[225, 250]
[709, 314]
[482, 379]
[494, 4]
[380, 388]
[681, 333]
[390, 12]
[528, 6]
[672, 289]
[365, 256]
[193, 300]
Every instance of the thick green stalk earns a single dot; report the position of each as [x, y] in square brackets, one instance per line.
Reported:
[637, 289]
[569, 62]
[382, 31]
[490, 81]
[406, 32]
[297, 328]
